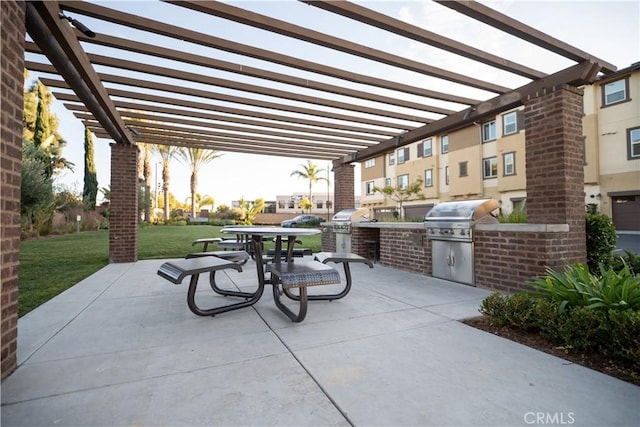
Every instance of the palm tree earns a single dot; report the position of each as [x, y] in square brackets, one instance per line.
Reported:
[144, 171]
[196, 158]
[310, 172]
[166, 152]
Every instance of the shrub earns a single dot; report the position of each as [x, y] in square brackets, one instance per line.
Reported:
[601, 240]
[517, 216]
[509, 310]
[629, 259]
[577, 287]
[624, 332]
[613, 333]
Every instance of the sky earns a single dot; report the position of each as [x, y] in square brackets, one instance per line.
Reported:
[606, 29]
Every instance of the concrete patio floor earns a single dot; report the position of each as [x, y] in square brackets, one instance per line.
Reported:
[121, 348]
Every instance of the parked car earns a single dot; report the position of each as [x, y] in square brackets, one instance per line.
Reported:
[302, 220]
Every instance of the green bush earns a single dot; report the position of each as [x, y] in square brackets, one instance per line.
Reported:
[601, 240]
[629, 259]
[517, 216]
[509, 310]
[613, 333]
[624, 332]
[575, 286]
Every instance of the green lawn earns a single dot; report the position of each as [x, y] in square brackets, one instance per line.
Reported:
[50, 265]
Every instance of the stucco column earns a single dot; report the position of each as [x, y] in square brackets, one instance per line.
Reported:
[344, 197]
[555, 165]
[13, 33]
[123, 204]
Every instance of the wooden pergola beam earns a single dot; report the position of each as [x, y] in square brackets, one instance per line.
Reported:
[501, 21]
[165, 29]
[256, 20]
[396, 26]
[43, 22]
[205, 61]
[579, 74]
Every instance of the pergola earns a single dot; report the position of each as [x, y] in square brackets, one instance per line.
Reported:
[350, 117]
[144, 88]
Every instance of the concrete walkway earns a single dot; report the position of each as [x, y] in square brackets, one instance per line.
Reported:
[121, 348]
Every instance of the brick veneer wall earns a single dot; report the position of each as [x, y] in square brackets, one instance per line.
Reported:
[123, 206]
[407, 249]
[506, 260]
[344, 181]
[13, 34]
[555, 164]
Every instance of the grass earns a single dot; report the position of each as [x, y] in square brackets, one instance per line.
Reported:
[51, 265]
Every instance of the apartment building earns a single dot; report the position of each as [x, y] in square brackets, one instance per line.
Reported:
[487, 159]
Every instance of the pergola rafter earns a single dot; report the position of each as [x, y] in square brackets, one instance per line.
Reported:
[350, 117]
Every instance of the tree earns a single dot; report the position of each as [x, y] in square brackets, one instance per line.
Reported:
[196, 158]
[90, 189]
[400, 195]
[40, 128]
[144, 171]
[208, 200]
[166, 152]
[249, 210]
[310, 172]
[36, 193]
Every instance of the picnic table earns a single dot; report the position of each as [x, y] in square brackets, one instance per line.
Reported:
[283, 272]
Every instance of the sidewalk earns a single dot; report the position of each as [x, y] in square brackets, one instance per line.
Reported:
[121, 348]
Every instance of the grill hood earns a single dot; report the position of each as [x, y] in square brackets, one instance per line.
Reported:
[352, 215]
[482, 210]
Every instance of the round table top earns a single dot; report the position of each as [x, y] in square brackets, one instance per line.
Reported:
[270, 231]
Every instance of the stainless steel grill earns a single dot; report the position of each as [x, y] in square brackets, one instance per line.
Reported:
[341, 224]
[450, 229]
[455, 220]
[341, 221]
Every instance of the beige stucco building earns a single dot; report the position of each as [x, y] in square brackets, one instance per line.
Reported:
[487, 159]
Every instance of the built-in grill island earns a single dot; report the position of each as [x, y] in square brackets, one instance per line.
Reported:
[450, 229]
[341, 224]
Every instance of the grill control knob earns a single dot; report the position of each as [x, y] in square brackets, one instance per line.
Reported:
[462, 232]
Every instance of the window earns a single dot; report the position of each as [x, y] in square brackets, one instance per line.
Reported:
[446, 175]
[463, 168]
[370, 188]
[444, 144]
[387, 182]
[509, 163]
[615, 92]
[490, 168]
[510, 123]
[489, 131]
[392, 158]
[403, 155]
[633, 137]
[428, 178]
[403, 182]
[369, 163]
[425, 148]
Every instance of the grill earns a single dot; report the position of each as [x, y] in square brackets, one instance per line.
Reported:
[341, 222]
[450, 229]
[455, 220]
[341, 226]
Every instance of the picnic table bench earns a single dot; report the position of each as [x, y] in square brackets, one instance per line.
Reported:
[176, 270]
[299, 275]
[344, 258]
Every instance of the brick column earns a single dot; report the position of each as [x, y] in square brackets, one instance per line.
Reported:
[555, 164]
[344, 197]
[123, 204]
[13, 33]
